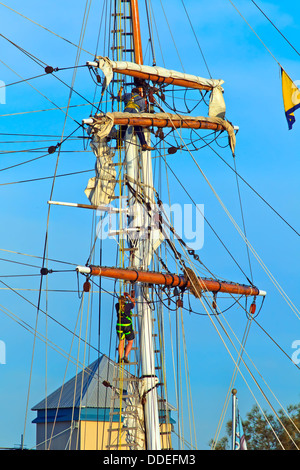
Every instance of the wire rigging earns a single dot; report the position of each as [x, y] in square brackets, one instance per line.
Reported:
[173, 253]
[46, 29]
[243, 219]
[191, 25]
[277, 29]
[86, 12]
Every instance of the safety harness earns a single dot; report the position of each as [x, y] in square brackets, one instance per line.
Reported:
[131, 103]
[120, 325]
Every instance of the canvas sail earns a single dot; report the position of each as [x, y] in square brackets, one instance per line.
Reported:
[217, 105]
[105, 122]
[101, 188]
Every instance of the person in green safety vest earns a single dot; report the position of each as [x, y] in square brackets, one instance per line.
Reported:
[124, 325]
[134, 103]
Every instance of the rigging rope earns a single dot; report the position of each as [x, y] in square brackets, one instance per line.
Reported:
[277, 29]
[46, 29]
[50, 198]
[58, 107]
[251, 374]
[243, 219]
[171, 35]
[59, 175]
[232, 381]
[269, 274]
[185, 9]
[240, 177]
[240, 358]
[265, 46]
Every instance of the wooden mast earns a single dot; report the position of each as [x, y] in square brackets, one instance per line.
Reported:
[136, 30]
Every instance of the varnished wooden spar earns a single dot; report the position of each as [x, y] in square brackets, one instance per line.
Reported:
[136, 32]
[175, 123]
[171, 280]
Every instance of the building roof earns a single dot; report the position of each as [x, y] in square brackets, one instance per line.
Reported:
[86, 389]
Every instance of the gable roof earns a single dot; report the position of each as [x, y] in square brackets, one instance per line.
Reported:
[86, 389]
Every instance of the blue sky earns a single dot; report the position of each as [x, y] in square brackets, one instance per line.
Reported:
[267, 157]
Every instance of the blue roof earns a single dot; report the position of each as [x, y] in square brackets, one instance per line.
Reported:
[86, 389]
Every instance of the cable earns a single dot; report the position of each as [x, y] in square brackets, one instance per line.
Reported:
[23, 163]
[237, 174]
[243, 219]
[250, 373]
[255, 33]
[58, 107]
[196, 37]
[46, 29]
[297, 52]
[274, 281]
[172, 35]
[31, 56]
[205, 218]
[47, 177]
[254, 190]
[150, 28]
[48, 214]
[40, 62]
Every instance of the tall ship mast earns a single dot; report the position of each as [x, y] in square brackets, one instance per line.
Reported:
[123, 277]
[145, 235]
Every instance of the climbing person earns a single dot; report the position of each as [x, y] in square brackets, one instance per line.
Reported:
[124, 325]
[134, 103]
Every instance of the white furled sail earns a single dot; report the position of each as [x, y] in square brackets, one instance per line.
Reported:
[217, 105]
[104, 122]
[101, 188]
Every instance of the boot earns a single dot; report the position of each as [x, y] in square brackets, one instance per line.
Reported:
[146, 147]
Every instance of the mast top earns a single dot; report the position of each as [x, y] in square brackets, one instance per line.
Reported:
[136, 30]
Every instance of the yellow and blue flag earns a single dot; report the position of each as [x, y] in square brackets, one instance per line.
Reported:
[291, 97]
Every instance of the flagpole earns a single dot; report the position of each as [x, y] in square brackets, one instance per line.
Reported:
[234, 392]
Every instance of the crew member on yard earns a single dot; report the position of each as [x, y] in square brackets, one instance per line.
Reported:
[134, 103]
[124, 325]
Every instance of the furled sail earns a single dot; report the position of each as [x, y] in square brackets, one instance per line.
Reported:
[156, 74]
[106, 121]
[101, 188]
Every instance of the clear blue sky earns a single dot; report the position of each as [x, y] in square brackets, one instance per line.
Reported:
[267, 156]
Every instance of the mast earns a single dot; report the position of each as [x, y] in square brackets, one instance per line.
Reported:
[137, 40]
[139, 261]
[139, 180]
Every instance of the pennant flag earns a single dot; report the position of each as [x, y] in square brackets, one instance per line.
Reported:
[291, 97]
[240, 440]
